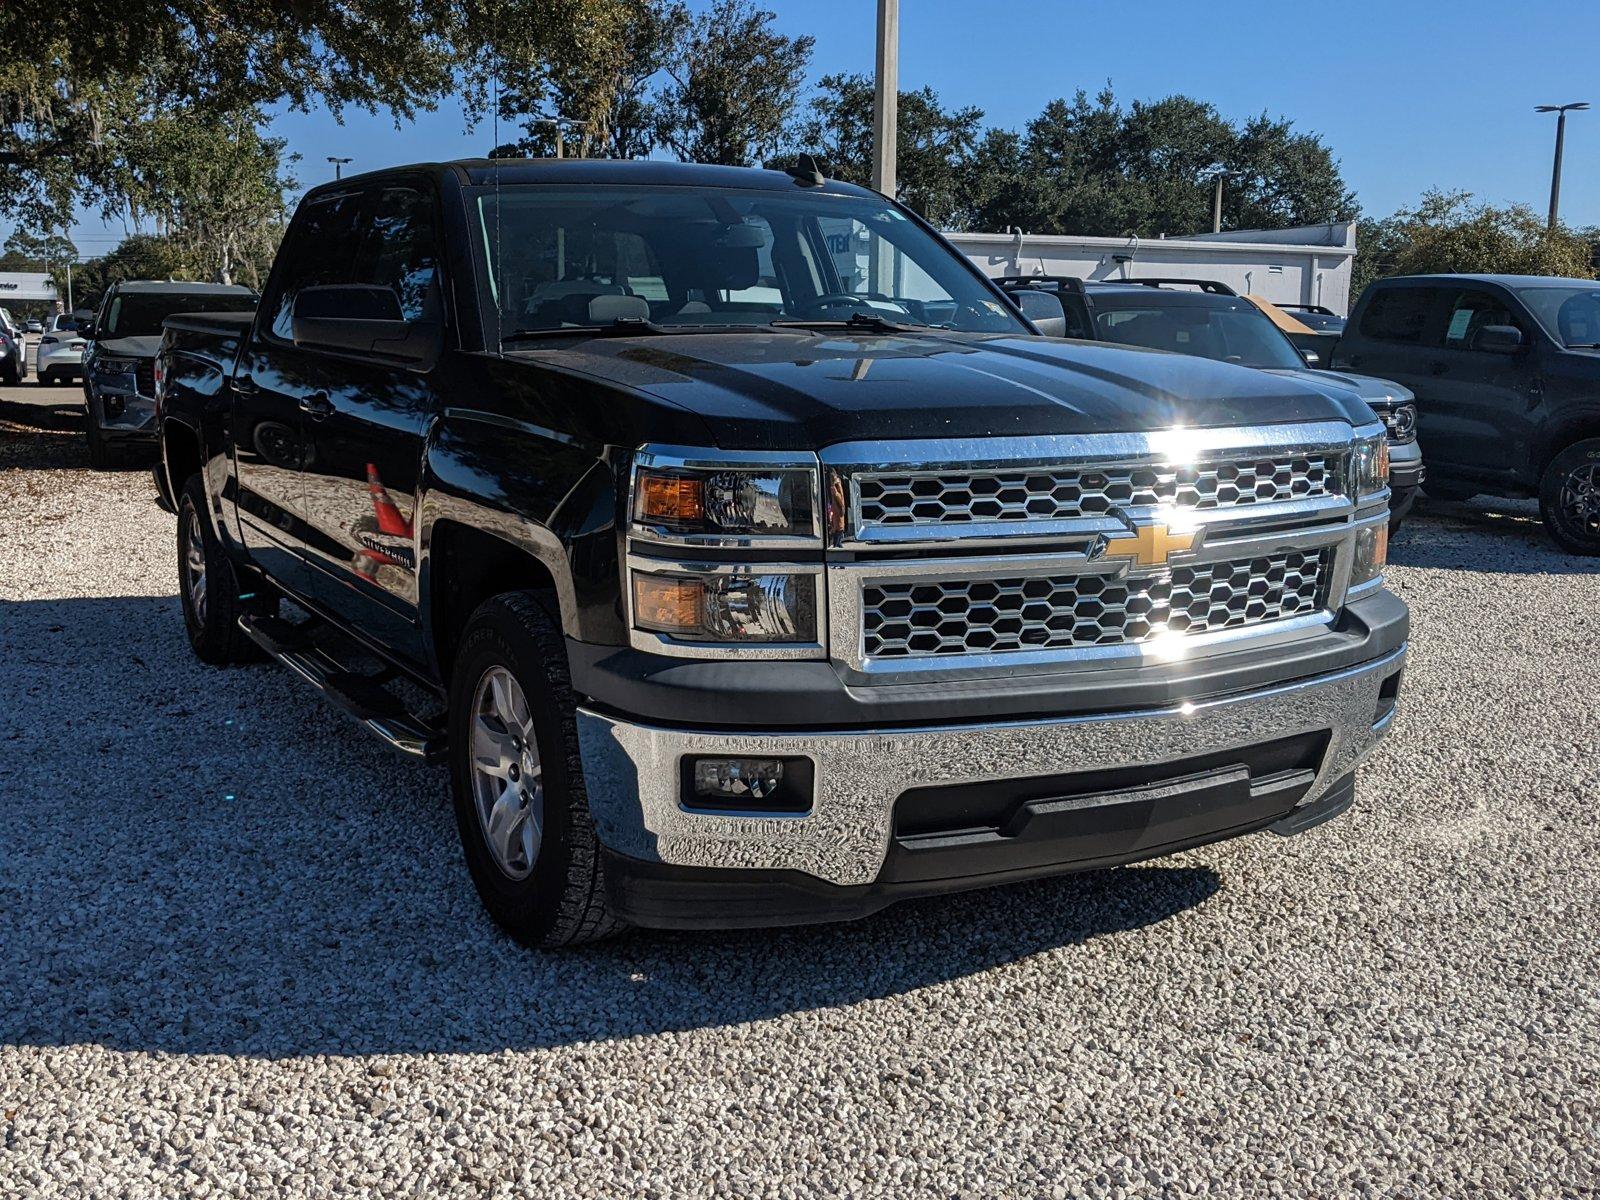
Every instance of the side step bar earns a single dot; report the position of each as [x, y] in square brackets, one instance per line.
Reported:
[360, 696]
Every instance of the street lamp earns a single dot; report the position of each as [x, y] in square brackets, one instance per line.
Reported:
[1561, 111]
[1218, 174]
[338, 166]
[560, 125]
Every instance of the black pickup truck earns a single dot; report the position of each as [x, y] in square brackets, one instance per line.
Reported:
[757, 559]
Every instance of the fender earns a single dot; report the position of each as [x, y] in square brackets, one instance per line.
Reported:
[547, 493]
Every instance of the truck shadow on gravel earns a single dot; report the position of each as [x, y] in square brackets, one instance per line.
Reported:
[196, 861]
[1497, 537]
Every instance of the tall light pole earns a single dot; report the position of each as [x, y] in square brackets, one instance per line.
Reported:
[886, 98]
[338, 166]
[1561, 111]
[1219, 174]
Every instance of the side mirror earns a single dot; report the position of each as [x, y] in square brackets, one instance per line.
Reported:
[1044, 310]
[359, 319]
[85, 330]
[1313, 359]
[1498, 339]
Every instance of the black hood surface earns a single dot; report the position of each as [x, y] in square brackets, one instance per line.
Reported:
[807, 391]
[139, 346]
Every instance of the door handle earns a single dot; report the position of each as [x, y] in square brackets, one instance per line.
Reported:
[316, 405]
[246, 387]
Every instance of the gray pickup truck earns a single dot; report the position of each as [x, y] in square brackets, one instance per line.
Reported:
[754, 558]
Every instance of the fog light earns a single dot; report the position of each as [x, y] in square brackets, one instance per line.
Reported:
[776, 785]
[1371, 554]
[737, 778]
[113, 406]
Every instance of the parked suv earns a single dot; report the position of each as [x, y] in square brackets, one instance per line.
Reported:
[13, 350]
[1209, 319]
[756, 560]
[119, 363]
[1506, 371]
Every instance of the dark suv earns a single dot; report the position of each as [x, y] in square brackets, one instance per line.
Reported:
[1506, 371]
[1211, 320]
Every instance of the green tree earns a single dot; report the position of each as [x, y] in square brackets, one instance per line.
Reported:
[935, 145]
[139, 256]
[595, 73]
[1092, 166]
[732, 84]
[1450, 232]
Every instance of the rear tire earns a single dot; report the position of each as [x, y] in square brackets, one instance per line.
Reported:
[208, 586]
[1569, 498]
[516, 777]
[11, 375]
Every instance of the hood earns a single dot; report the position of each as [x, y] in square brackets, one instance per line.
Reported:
[806, 391]
[1375, 392]
[142, 346]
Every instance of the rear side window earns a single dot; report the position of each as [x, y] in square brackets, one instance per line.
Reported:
[320, 249]
[1398, 314]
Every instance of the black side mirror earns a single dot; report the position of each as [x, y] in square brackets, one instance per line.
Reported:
[1313, 359]
[1498, 339]
[1043, 309]
[85, 330]
[361, 319]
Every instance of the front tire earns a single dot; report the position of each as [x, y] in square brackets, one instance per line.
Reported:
[516, 777]
[101, 457]
[208, 586]
[1569, 498]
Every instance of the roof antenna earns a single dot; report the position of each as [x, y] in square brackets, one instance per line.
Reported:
[807, 174]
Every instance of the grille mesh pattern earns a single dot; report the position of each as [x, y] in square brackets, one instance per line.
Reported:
[987, 616]
[964, 497]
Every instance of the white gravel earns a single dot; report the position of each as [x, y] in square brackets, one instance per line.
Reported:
[239, 955]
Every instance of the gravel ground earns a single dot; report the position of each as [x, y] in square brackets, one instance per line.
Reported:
[240, 955]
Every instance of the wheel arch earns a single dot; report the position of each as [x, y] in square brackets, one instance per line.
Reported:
[181, 454]
[1568, 433]
[470, 554]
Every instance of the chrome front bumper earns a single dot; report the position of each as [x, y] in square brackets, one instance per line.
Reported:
[632, 771]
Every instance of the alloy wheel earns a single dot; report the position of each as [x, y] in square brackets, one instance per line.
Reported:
[194, 566]
[1579, 501]
[507, 777]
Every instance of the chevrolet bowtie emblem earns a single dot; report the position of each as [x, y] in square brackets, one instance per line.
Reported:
[1152, 545]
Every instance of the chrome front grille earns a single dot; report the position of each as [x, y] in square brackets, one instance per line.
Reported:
[921, 618]
[965, 497]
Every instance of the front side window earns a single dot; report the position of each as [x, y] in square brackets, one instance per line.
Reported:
[1471, 312]
[1238, 335]
[684, 257]
[398, 250]
[320, 249]
[1398, 314]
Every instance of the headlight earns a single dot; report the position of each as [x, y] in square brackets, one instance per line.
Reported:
[1372, 553]
[727, 606]
[115, 366]
[693, 502]
[1402, 422]
[1371, 465]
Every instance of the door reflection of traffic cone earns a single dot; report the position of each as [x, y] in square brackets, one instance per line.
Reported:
[390, 518]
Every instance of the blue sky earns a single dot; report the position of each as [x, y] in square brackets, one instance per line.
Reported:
[1409, 96]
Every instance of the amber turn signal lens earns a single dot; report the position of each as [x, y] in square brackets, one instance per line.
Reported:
[1383, 463]
[668, 603]
[670, 499]
[1380, 548]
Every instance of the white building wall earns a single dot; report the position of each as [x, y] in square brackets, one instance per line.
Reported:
[25, 285]
[1305, 265]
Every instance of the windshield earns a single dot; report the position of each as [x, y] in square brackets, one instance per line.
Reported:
[686, 257]
[139, 314]
[1570, 314]
[1238, 335]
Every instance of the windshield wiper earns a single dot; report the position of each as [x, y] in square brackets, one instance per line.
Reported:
[859, 320]
[621, 327]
